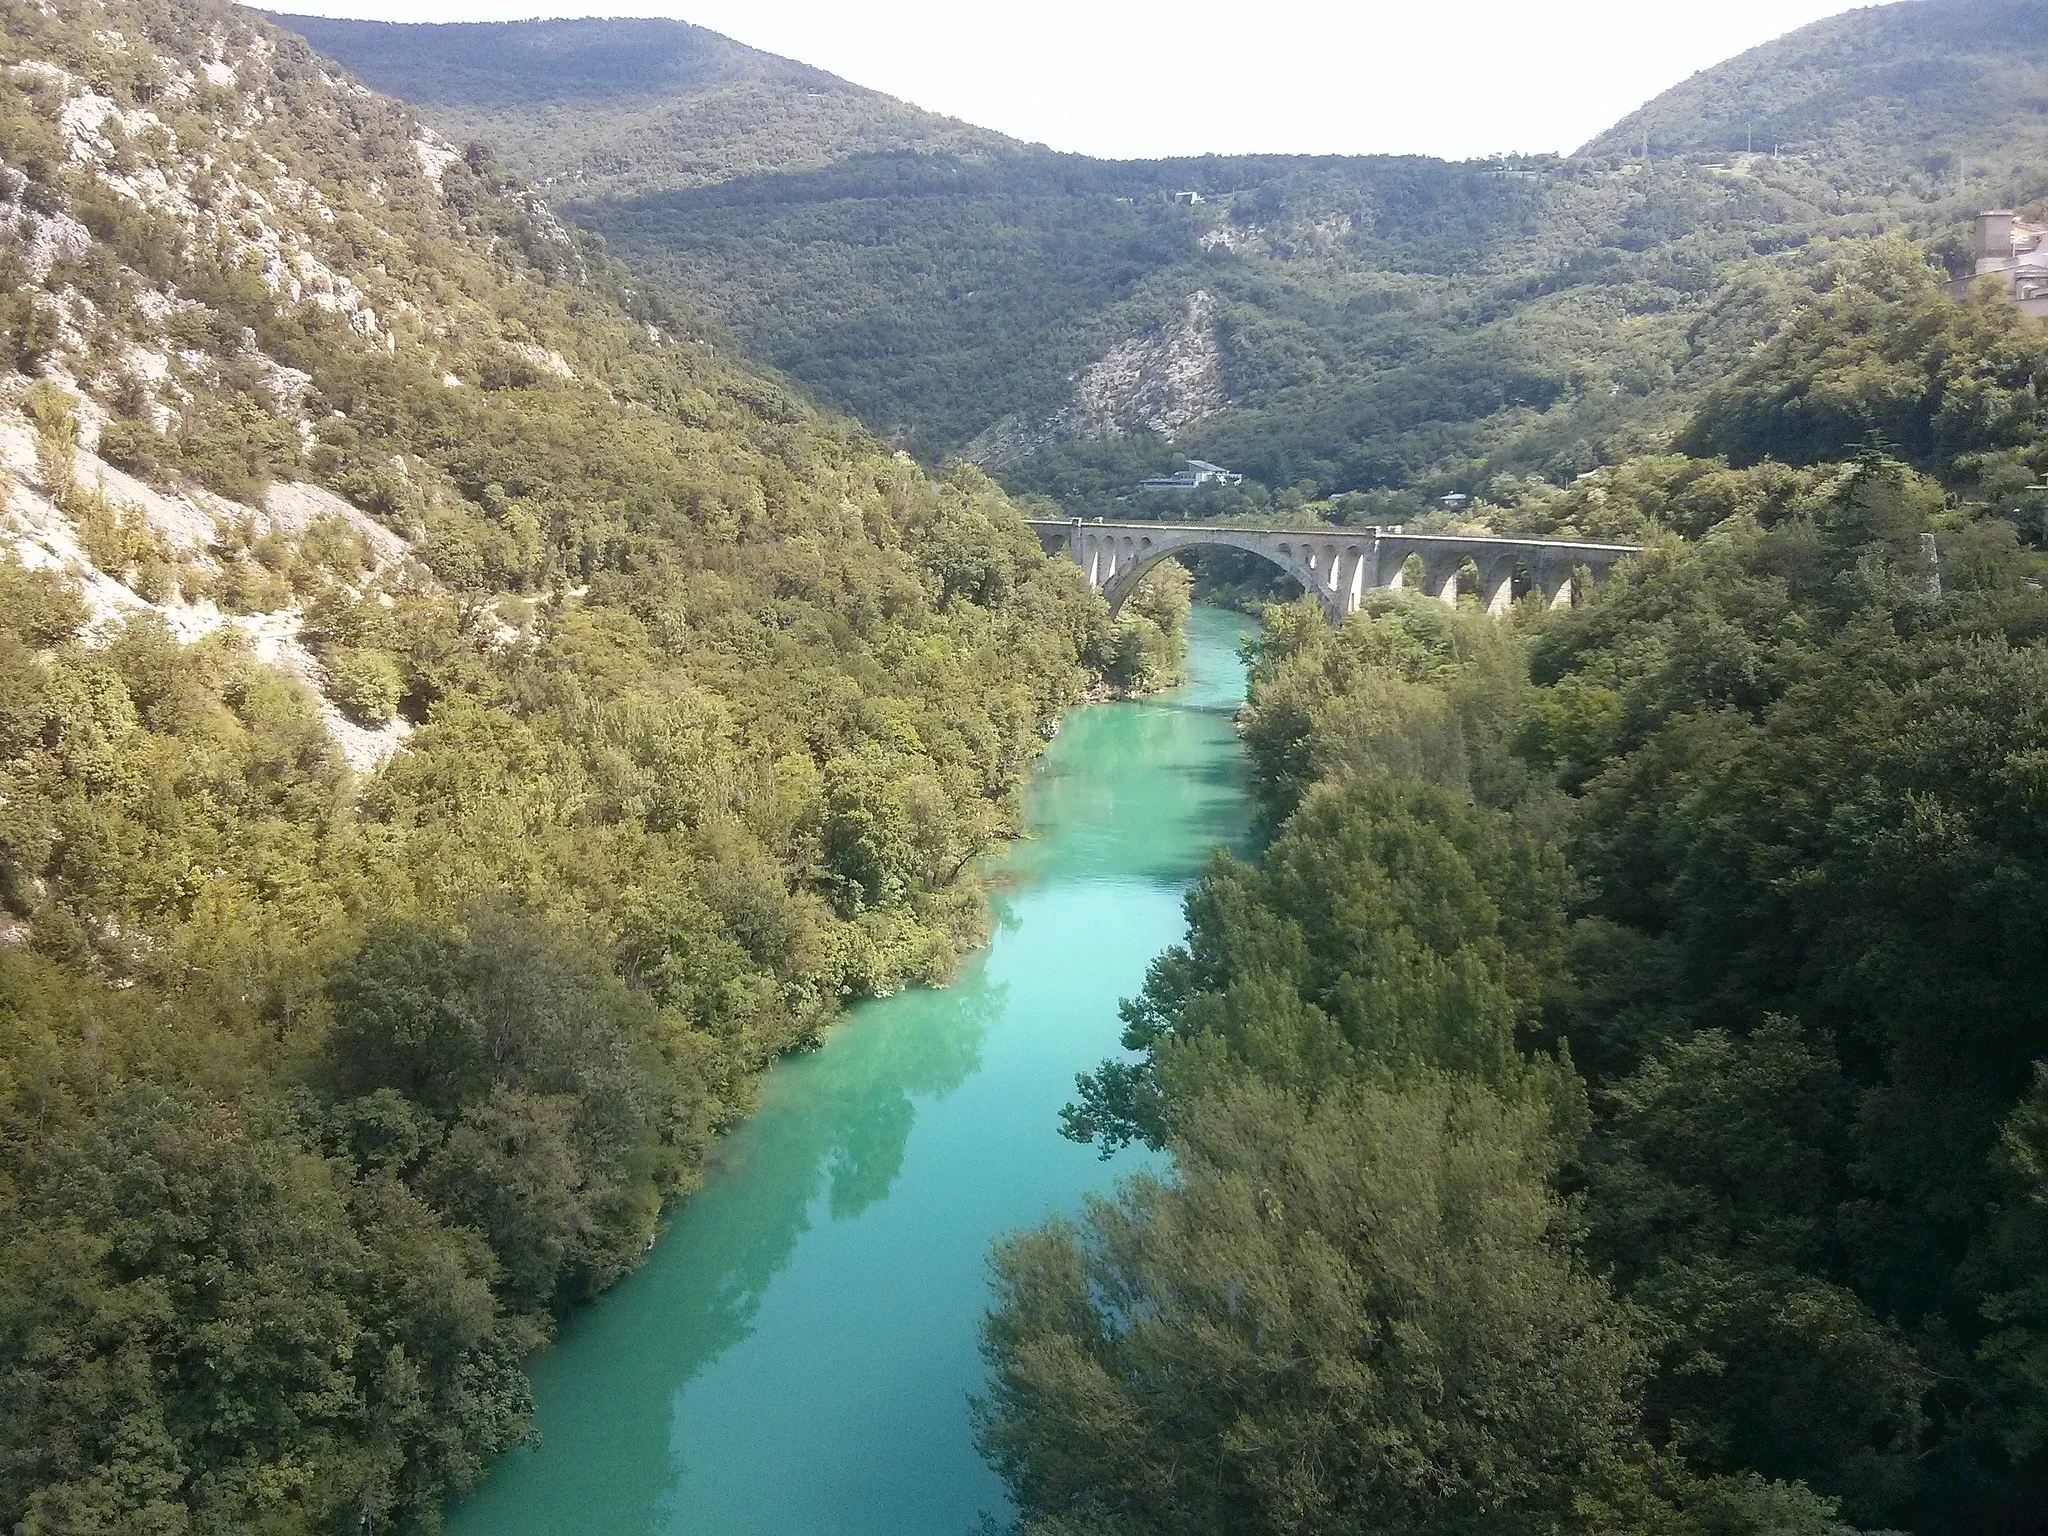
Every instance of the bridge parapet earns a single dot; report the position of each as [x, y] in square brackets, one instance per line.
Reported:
[1338, 565]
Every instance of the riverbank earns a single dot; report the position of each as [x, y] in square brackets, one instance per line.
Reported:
[798, 1350]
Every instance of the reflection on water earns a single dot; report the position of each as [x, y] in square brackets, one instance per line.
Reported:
[797, 1353]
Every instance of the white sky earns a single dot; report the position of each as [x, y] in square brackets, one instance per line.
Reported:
[1140, 78]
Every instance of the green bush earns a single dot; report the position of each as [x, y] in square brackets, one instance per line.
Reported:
[135, 447]
[365, 685]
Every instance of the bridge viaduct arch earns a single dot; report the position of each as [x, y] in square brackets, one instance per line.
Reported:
[1338, 565]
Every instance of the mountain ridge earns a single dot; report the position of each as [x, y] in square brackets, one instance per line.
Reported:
[1943, 71]
[1383, 325]
[641, 80]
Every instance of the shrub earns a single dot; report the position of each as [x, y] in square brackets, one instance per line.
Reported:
[365, 685]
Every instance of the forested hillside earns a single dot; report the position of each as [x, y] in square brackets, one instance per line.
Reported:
[625, 105]
[326, 1086]
[1938, 84]
[1617, 1098]
[1331, 326]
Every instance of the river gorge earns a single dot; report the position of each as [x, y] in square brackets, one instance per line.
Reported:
[799, 1350]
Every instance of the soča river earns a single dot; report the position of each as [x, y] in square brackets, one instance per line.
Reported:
[797, 1355]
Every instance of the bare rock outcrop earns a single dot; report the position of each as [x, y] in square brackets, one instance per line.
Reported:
[1161, 380]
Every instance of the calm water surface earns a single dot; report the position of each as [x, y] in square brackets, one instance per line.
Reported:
[796, 1357]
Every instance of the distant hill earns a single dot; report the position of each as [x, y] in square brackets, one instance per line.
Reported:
[944, 300]
[628, 105]
[1331, 325]
[1909, 85]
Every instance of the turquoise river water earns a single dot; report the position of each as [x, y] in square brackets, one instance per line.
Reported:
[797, 1355]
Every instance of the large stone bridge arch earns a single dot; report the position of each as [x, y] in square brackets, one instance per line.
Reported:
[1338, 566]
[1140, 553]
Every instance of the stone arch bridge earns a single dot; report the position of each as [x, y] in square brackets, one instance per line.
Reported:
[1338, 565]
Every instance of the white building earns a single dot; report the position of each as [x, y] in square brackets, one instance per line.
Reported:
[1199, 472]
[2015, 253]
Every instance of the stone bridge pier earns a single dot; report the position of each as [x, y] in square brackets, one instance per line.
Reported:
[1338, 565]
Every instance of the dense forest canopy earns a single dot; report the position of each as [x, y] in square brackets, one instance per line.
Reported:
[1331, 326]
[624, 105]
[1954, 81]
[325, 1086]
[1614, 1100]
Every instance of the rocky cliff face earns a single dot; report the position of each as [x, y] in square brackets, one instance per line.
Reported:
[1159, 380]
[132, 549]
[135, 186]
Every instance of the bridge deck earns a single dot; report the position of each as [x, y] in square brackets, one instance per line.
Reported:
[1325, 535]
[1337, 565]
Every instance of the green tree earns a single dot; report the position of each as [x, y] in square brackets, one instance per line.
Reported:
[1358, 1316]
[366, 684]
